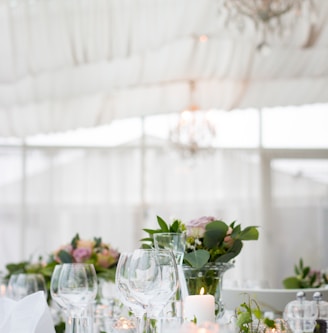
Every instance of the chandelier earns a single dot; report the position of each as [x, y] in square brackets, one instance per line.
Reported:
[268, 16]
[195, 131]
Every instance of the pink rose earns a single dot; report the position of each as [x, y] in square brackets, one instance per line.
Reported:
[81, 254]
[196, 228]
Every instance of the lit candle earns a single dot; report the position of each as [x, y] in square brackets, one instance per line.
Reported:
[124, 325]
[200, 307]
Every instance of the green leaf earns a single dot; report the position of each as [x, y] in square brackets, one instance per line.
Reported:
[215, 233]
[306, 271]
[152, 231]
[236, 231]
[297, 270]
[197, 259]
[163, 225]
[148, 239]
[175, 226]
[65, 257]
[74, 241]
[97, 241]
[243, 318]
[270, 323]
[257, 313]
[60, 328]
[291, 283]
[249, 233]
[232, 252]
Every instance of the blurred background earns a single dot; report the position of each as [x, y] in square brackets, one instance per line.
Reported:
[115, 111]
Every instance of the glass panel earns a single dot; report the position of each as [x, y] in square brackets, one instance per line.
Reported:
[296, 127]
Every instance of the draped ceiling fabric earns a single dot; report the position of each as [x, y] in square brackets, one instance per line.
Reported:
[81, 63]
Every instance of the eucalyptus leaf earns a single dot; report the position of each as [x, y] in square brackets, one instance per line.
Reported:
[65, 257]
[214, 234]
[197, 259]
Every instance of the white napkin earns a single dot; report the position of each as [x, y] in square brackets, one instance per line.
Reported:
[28, 315]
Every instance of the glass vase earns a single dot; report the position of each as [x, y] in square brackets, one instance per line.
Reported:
[210, 278]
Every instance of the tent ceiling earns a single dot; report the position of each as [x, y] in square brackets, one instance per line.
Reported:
[81, 63]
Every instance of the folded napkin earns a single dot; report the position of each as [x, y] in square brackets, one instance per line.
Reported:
[28, 315]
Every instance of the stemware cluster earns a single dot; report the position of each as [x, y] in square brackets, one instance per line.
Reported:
[147, 279]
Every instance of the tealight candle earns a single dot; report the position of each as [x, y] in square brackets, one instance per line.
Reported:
[124, 325]
[200, 307]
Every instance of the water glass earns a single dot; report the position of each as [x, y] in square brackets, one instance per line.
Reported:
[174, 241]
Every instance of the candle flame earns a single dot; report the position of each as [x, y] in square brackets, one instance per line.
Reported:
[202, 290]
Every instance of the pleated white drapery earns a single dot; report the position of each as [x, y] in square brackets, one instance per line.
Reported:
[81, 63]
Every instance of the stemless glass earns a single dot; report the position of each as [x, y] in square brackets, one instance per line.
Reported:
[174, 241]
[122, 284]
[153, 279]
[77, 288]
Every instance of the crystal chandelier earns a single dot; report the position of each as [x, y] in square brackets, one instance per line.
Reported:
[268, 16]
[195, 131]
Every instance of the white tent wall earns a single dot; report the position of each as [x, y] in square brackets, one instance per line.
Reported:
[106, 192]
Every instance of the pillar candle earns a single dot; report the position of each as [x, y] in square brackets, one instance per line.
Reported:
[201, 307]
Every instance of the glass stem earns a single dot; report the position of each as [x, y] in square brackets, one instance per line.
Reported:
[79, 321]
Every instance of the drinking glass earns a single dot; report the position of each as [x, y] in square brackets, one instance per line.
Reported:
[21, 285]
[54, 287]
[77, 288]
[153, 279]
[175, 242]
[126, 296]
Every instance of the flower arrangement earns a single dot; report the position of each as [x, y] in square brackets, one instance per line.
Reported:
[101, 255]
[95, 252]
[208, 239]
[305, 277]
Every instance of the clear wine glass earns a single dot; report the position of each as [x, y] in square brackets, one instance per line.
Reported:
[153, 279]
[126, 296]
[54, 287]
[175, 242]
[21, 285]
[77, 288]
[10, 291]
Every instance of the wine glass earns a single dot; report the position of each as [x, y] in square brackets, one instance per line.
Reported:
[175, 242]
[77, 288]
[126, 296]
[21, 285]
[153, 279]
[55, 298]
[54, 287]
